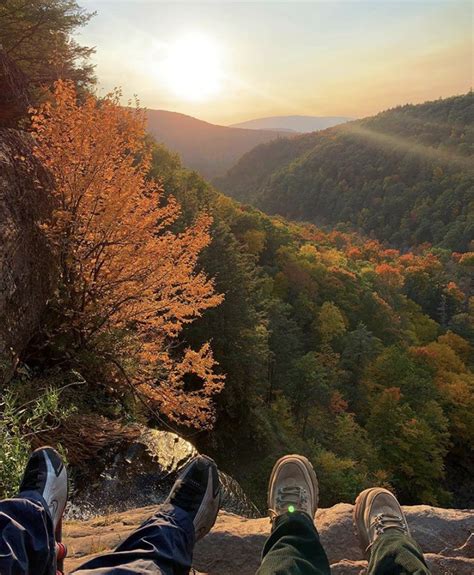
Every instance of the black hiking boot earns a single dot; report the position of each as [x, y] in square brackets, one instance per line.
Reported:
[46, 474]
[197, 491]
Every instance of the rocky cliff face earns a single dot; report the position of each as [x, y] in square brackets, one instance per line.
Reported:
[234, 545]
[26, 263]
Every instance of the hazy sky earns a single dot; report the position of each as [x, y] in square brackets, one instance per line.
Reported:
[227, 62]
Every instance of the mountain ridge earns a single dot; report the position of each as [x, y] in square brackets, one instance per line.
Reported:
[293, 123]
[207, 148]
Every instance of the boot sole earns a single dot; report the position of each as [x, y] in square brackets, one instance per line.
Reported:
[358, 520]
[209, 511]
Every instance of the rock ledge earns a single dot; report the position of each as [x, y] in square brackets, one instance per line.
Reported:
[235, 543]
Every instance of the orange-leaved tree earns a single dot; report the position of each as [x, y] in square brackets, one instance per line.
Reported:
[128, 283]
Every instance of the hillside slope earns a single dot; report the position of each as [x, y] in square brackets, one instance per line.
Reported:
[404, 176]
[208, 148]
[311, 324]
[320, 336]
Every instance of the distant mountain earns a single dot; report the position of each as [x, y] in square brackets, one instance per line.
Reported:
[300, 124]
[208, 148]
[405, 176]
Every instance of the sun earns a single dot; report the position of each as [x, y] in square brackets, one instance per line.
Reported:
[192, 68]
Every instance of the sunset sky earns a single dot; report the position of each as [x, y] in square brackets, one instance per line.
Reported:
[226, 62]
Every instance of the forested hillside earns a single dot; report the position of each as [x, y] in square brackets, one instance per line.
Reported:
[171, 305]
[405, 176]
[208, 148]
[336, 347]
[252, 335]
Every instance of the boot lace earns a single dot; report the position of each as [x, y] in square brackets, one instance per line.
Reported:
[288, 496]
[384, 521]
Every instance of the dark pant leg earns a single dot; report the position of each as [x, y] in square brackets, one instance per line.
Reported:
[163, 545]
[27, 543]
[294, 548]
[394, 553]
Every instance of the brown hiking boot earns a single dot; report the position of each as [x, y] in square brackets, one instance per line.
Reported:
[376, 510]
[293, 487]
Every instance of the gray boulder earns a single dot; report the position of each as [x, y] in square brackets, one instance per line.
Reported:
[140, 471]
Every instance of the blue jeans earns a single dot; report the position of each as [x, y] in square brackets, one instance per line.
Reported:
[163, 545]
[26, 536]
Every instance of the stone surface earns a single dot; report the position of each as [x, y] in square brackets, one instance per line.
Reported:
[139, 470]
[26, 263]
[234, 545]
[135, 472]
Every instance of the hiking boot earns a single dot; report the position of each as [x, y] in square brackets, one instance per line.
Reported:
[293, 487]
[197, 491]
[376, 511]
[46, 474]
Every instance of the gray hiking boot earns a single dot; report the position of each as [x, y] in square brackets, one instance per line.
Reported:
[377, 510]
[293, 487]
[197, 490]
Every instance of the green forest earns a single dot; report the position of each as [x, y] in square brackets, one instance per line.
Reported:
[346, 337]
[404, 177]
[336, 347]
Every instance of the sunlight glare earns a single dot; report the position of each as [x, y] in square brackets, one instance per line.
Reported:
[192, 68]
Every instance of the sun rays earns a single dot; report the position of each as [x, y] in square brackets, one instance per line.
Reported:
[391, 141]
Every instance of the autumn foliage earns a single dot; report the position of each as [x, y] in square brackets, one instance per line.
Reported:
[334, 344]
[129, 284]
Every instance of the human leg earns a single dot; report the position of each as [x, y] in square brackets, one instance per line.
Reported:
[164, 544]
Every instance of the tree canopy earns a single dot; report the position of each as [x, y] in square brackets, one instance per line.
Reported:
[128, 284]
[38, 37]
